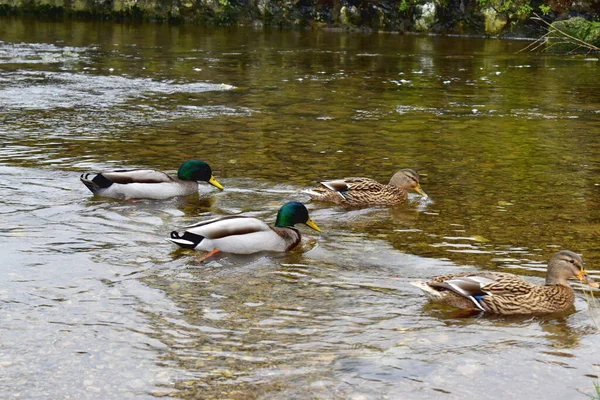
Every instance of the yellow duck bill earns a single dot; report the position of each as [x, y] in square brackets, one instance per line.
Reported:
[214, 182]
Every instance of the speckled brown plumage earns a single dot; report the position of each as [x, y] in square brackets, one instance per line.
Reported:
[368, 192]
[508, 294]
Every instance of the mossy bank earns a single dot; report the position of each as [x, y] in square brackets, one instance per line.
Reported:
[476, 17]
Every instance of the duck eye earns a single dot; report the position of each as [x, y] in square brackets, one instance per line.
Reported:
[572, 261]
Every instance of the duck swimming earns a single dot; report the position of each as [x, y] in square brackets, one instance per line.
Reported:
[507, 294]
[246, 235]
[149, 183]
[359, 192]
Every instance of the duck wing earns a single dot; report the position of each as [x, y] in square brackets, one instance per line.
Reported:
[476, 286]
[346, 184]
[480, 283]
[467, 286]
[342, 186]
[125, 176]
[218, 228]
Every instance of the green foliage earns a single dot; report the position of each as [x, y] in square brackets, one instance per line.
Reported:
[573, 35]
[283, 12]
[545, 9]
[403, 6]
[514, 9]
[524, 10]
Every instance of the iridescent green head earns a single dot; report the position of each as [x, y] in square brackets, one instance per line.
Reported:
[294, 213]
[197, 170]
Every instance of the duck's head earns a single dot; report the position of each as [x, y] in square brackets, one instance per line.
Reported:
[567, 265]
[294, 213]
[407, 179]
[196, 170]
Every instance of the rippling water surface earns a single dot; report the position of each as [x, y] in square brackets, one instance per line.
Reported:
[96, 304]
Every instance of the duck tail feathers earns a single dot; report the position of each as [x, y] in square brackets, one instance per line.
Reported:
[430, 292]
[90, 184]
[423, 286]
[95, 184]
[313, 194]
[187, 240]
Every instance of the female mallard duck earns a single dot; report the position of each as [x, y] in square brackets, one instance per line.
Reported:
[507, 294]
[246, 235]
[150, 183]
[368, 192]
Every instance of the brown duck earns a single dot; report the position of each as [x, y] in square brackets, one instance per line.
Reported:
[507, 294]
[368, 192]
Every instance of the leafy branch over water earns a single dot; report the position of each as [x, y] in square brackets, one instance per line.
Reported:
[557, 39]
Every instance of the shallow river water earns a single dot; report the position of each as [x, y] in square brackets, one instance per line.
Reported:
[95, 303]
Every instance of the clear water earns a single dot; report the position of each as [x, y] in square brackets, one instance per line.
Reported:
[96, 304]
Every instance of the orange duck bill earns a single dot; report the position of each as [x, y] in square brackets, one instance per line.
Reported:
[583, 277]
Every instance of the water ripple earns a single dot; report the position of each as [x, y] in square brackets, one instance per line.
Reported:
[55, 90]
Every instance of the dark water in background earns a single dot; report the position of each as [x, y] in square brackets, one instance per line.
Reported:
[95, 303]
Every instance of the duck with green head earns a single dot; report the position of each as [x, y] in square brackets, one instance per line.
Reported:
[246, 235]
[507, 294]
[150, 183]
[366, 192]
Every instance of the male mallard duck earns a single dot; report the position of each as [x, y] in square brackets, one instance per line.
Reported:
[368, 192]
[507, 294]
[150, 183]
[245, 235]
